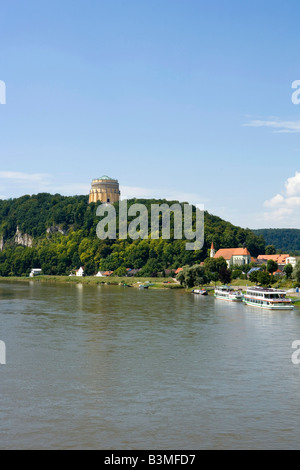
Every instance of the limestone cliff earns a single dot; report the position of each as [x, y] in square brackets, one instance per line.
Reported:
[23, 238]
[55, 229]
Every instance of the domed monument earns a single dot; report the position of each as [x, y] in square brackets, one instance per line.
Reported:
[104, 189]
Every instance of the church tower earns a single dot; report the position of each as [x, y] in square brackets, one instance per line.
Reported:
[212, 250]
[105, 189]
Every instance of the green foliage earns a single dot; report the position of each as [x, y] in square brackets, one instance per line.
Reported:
[253, 276]
[192, 276]
[288, 269]
[217, 270]
[283, 239]
[121, 271]
[270, 250]
[225, 275]
[272, 266]
[214, 265]
[296, 272]
[236, 273]
[264, 278]
[64, 238]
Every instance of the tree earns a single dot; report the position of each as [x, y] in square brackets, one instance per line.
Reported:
[214, 277]
[236, 272]
[181, 277]
[272, 266]
[270, 250]
[264, 278]
[225, 275]
[288, 269]
[296, 272]
[63, 229]
[219, 266]
[121, 271]
[90, 268]
[193, 276]
[253, 276]
[200, 276]
[151, 268]
[215, 265]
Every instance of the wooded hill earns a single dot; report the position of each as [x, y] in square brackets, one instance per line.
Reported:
[286, 240]
[58, 234]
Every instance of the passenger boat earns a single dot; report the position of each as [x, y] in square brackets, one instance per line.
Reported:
[200, 291]
[228, 293]
[268, 298]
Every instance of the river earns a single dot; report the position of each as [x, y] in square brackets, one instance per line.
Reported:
[108, 367]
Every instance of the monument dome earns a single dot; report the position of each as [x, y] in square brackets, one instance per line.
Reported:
[104, 189]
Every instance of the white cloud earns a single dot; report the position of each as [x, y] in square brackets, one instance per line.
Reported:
[18, 176]
[275, 201]
[292, 185]
[279, 126]
[292, 201]
[279, 215]
[15, 184]
[284, 208]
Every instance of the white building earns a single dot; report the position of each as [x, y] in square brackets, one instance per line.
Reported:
[291, 260]
[80, 271]
[234, 256]
[35, 272]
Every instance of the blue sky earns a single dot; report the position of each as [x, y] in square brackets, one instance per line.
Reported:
[182, 99]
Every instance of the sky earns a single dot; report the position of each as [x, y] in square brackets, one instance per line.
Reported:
[187, 100]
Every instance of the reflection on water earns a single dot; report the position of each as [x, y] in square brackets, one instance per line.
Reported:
[117, 368]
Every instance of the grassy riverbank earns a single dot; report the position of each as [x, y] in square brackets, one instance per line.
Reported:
[153, 282]
[158, 283]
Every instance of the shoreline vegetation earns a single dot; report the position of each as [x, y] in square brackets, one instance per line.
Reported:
[153, 283]
[163, 282]
[59, 235]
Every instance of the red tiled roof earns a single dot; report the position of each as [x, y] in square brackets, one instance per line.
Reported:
[178, 270]
[228, 253]
[278, 258]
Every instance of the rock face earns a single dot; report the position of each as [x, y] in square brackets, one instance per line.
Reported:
[23, 238]
[55, 229]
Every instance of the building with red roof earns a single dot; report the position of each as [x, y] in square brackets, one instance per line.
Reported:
[280, 259]
[234, 256]
[178, 270]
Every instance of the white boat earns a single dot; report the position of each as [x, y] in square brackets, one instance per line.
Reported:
[267, 298]
[200, 291]
[228, 293]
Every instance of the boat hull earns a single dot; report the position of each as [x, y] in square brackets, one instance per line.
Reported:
[199, 292]
[268, 307]
[267, 298]
[229, 299]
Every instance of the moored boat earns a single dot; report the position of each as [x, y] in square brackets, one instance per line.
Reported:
[228, 293]
[200, 291]
[267, 298]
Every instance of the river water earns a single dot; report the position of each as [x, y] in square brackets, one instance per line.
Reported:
[108, 367]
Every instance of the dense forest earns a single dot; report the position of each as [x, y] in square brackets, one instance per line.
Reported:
[283, 239]
[58, 234]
